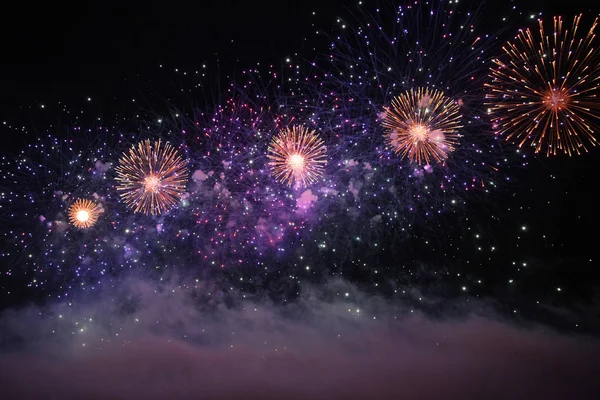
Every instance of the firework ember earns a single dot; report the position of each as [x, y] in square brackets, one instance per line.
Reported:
[297, 156]
[422, 125]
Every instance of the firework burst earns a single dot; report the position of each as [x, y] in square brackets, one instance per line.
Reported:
[152, 177]
[544, 92]
[422, 125]
[297, 156]
[83, 213]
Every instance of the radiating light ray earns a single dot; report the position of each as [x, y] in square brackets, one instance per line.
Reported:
[152, 177]
[422, 125]
[84, 213]
[544, 90]
[297, 156]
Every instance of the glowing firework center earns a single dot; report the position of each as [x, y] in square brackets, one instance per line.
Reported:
[83, 216]
[151, 184]
[556, 99]
[296, 162]
[418, 132]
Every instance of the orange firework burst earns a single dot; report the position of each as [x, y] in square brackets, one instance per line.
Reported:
[422, 125]
[297, 156]
[152, 177]
[544, 92]
[83, 213]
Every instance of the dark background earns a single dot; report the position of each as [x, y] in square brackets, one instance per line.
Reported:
[52, 50]
[78, 50]
[65, 53]
[70, 51]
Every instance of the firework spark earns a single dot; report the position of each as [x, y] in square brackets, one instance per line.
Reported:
[422, 125]
[152, 177]
[297, 156]
[83, 213]
[545, 91]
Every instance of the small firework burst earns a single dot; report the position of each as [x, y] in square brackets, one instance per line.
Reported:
[422, 125]
[297, 156]
[545, 91]
[83, 213]
[152, 177]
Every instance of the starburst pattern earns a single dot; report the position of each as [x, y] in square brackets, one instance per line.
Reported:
[544, 91]
[297, 156]
[152, 177]
[422, 125]
[84, 213]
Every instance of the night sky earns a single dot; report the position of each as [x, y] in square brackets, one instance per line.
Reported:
[470, 276]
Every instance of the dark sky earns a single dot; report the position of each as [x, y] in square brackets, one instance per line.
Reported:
[75, 47]
[56, 50]
[109, 51]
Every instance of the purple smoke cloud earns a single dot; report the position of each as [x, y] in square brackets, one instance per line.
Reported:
[169, 349]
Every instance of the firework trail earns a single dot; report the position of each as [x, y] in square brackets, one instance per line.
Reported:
[152, 177]
[297, 156]
[544, 90]
[83, 213]
[422, 125]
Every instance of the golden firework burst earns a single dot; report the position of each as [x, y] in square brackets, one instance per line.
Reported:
[544, 91]
[297, 156]
[84, 213]
[151, 177]
[422, 125]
